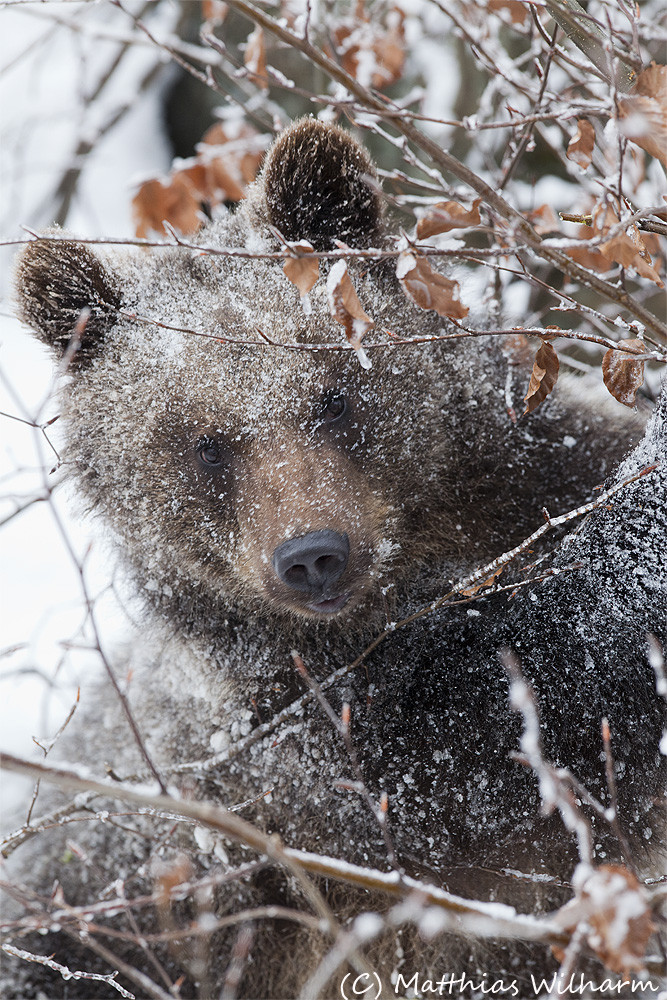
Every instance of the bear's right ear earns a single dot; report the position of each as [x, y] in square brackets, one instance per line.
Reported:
[59, 282]
[320, 185]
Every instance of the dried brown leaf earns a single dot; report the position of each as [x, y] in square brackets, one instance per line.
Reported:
[214, 11]
[643, 113]
[518, 11]
[175, 202]
[543, 377]
[373, 53]
[169, 874]
[222, 182]
[544, 220]
[613, 907]
[427, 288]
[627, 249]
[485, 583]
[448, 215]
[226, 162]
[580, 147]
[589, 257]
[624, 375]
[241, 149]
[255, 58]
[347, 310]
[622, 249]
[652, 82]
[302, 271]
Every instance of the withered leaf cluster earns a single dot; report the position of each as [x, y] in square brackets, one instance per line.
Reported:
[370, 45]
[225, 163]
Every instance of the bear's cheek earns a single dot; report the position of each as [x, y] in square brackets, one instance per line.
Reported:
[312, 533]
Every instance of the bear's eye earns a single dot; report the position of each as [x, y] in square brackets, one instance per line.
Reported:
[209, 451]
[334, 406]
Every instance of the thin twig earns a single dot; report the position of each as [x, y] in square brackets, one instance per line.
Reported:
[66, 973]
[342, 727]
[612, 814]
[554, 792]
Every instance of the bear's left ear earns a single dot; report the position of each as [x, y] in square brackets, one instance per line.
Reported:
[319, 184]
[57, 283]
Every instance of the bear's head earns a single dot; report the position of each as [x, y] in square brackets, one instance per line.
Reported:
[243, 456]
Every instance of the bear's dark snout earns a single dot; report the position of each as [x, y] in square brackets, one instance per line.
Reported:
[312, 563]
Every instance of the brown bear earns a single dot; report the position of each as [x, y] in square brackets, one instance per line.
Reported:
[271, 493]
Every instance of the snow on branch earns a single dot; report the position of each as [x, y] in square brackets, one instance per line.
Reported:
[465, 916]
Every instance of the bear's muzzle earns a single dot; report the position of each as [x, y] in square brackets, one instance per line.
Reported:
[313, 564]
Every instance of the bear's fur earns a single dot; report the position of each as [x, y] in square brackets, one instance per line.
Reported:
[268, 498]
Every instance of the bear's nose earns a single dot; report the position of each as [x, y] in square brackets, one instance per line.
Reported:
[312, 563]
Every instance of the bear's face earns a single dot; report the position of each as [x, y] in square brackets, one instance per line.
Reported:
[236, 472]
[282, 479]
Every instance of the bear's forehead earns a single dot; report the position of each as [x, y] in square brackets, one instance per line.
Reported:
[234, 334]
[208, 340]
[251, 299]
[182, 387]
[174, 370]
